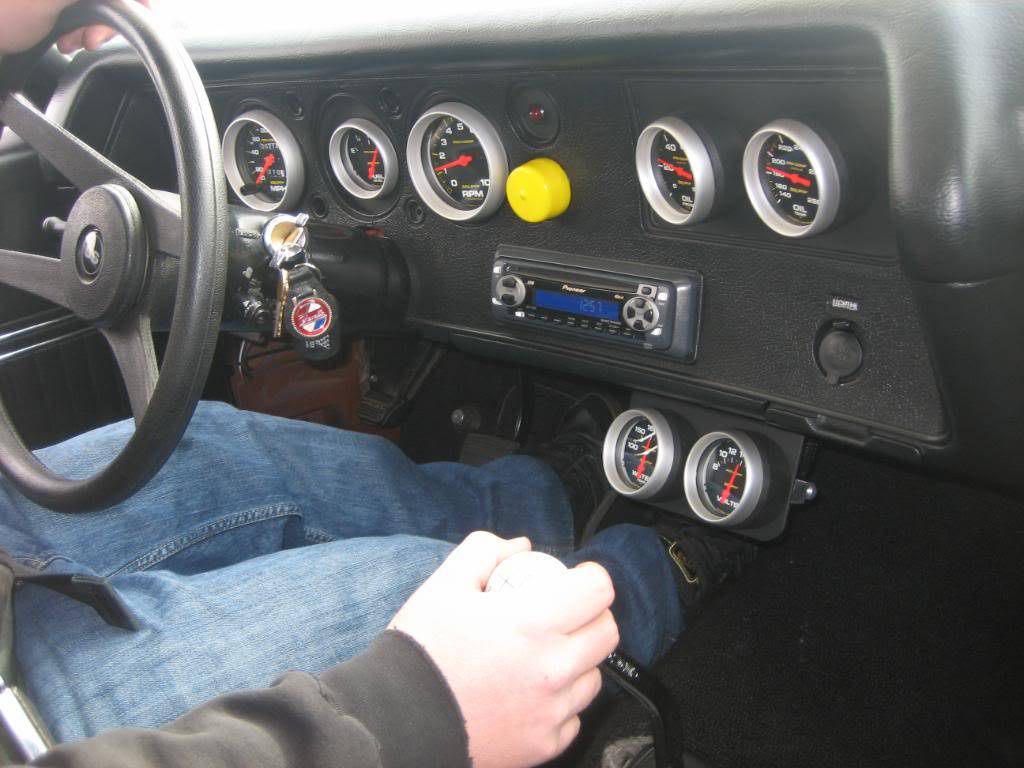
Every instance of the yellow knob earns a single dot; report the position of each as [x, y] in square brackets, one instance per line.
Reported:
[538, 190]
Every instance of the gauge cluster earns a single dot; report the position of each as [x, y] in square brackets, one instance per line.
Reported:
[698, 170]
[721, 470]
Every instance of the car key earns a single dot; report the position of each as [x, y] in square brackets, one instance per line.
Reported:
[280, 306]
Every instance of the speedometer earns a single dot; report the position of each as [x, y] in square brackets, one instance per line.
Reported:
[262, 161]
[793, 176]
[676, 171]
[457, 162]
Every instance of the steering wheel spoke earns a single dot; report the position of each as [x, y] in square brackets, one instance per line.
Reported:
[84, 167]
[35, 274]
[132, 345]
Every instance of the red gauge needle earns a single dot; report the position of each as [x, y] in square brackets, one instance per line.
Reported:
[463, 160]
[373, 164]
[643, 459]
[681, 172]
[794, 177]
[727, 491]
[267, 162]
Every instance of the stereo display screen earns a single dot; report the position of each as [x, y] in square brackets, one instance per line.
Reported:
[577, 305]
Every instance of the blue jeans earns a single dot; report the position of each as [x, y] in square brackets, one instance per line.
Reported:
[266, 545]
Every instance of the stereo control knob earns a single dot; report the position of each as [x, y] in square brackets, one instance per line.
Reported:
[640, 313]
[510, 291]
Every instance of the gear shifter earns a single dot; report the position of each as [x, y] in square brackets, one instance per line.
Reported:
[653, 696]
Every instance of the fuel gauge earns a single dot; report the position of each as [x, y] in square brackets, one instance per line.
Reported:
[363, 159]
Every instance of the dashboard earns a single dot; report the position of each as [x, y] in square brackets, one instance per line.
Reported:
[801, 171]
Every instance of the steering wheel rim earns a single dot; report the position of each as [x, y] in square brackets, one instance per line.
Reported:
[148, 232]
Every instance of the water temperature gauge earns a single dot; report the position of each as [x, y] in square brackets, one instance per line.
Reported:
[641, 453]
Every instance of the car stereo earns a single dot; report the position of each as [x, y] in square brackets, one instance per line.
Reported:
[654, 309]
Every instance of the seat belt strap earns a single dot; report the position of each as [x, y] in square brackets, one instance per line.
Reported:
[93, 591]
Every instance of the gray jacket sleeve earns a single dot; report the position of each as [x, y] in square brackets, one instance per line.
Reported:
[388, 707]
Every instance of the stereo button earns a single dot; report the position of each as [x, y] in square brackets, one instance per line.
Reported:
[640, 313]
[510, 291]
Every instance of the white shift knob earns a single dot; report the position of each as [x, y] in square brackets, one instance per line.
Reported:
[520, 569]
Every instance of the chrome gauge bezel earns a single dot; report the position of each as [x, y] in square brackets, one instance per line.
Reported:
[342, 168]
[615, 443]
[417, 154]
[826, 170]
[697, 151]
[290, 153]
[696, 466]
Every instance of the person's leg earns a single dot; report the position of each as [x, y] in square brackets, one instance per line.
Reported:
[242, 484]
[647, 607]
[209, 633]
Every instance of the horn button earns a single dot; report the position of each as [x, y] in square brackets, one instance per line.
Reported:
[103, 255]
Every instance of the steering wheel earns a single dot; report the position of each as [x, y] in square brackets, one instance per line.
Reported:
[121, 238]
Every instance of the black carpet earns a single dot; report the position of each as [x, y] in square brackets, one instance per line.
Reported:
[884, 629]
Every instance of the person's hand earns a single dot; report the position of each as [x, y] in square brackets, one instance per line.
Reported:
[23, 23]
[523, 663]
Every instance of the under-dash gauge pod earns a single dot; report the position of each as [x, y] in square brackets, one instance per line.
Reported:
[642, 453]
[795, 178]
[678, 171]
[725, 478]
[263, 162]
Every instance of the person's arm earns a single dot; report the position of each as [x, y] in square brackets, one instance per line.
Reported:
[390, 706]
[23, 23]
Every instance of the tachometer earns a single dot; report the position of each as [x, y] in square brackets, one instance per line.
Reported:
[363, 159]
[262, 161]
[724, 477]
[457, 162]
[640, 451]
[793, 176]
[676, 171]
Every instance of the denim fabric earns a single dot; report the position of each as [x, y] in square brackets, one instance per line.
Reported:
[265, 545]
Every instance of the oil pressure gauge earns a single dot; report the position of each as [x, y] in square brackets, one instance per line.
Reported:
[678, 171]
[794, 178]
[363, 159]
[641, 453]
[724, 478]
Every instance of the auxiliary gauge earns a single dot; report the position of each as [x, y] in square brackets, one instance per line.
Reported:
[724, 478]
[794, 178]
[676, 171]
[457, 162]
[640, 453]
[363, 159]
[262, 161]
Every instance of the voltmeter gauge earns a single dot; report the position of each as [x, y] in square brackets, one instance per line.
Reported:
[640, 453]
[677, 173]
[724, 478]
[457, 162]
[363, 159]
[263, 162]
[794, 178]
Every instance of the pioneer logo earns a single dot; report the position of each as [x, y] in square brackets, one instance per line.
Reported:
[573, 289]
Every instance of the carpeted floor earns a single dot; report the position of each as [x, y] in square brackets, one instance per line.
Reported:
[885, 629]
